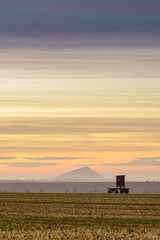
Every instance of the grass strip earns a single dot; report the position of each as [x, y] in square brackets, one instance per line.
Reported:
[11, 222]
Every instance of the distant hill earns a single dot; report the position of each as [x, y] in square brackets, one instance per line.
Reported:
[80, 175]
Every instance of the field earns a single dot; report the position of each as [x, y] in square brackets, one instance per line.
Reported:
[79, 216]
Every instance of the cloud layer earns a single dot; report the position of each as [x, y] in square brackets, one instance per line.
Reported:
[138, 162]
[55, 158]
[29, 164]
[7, 158]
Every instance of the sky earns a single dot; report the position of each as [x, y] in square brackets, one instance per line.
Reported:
[79, 86]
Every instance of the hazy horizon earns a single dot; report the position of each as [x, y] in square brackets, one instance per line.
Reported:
[58, 178]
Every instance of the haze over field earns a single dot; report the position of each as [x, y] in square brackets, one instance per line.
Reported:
[79, 86]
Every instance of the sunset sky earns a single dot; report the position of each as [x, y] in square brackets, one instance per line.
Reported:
[79, 86]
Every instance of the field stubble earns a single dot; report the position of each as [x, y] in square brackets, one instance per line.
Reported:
[79, 216]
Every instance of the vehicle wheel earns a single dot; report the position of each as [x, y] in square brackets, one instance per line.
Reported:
[121, 191]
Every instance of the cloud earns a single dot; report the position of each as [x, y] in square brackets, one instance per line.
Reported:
[55, 158]
[137, 162]
[86, 125]
[7, 158]
[29, 164]
[84, 165]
